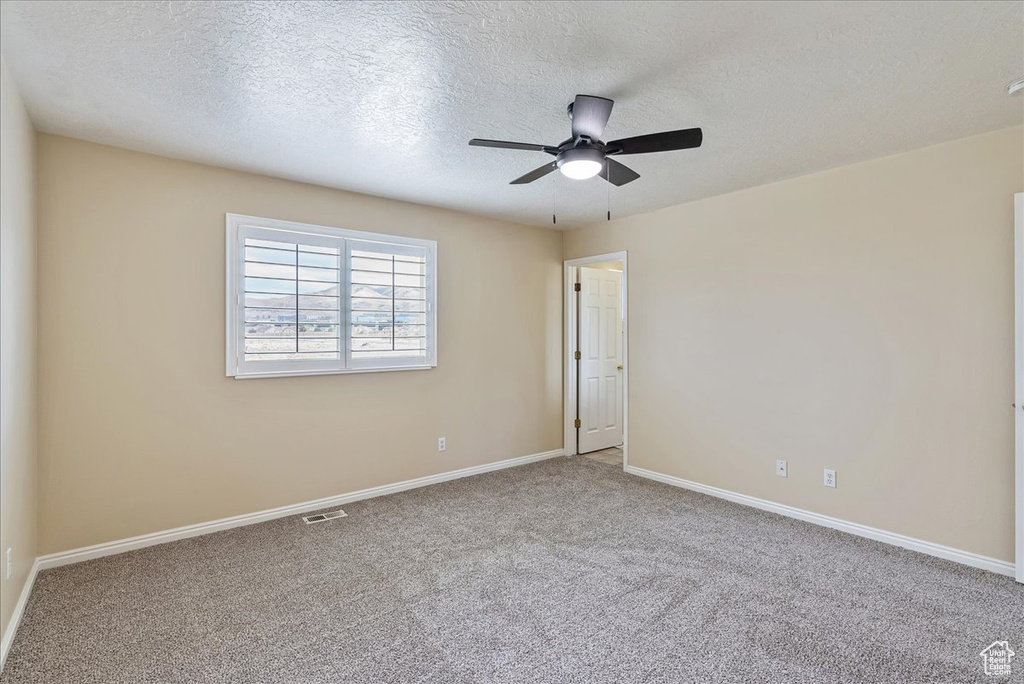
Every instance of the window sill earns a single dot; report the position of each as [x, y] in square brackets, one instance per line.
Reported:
[347, 371]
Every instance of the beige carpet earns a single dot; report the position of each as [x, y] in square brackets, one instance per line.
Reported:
[566, 570]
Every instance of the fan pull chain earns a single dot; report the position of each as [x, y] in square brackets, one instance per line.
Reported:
[608, 187]
[554, 218]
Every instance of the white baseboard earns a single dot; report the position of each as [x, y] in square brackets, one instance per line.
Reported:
[54, 560]
[19, 610]
[965, 557]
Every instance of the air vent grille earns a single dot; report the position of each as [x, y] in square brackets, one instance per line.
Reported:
[320, 517]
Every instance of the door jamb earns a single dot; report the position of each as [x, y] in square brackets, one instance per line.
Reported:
[571, 267]
[1018, 381]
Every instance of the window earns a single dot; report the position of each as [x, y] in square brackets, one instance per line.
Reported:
[307, 300]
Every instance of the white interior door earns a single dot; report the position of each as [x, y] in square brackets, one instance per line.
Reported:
[1018, 406]
[600, 367]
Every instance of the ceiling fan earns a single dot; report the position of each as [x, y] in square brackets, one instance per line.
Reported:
[585, 155]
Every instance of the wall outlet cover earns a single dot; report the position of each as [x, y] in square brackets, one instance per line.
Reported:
[441, 446]
[781, 468]
[830, 478]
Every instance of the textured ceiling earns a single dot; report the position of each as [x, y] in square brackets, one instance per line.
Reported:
[382, 97]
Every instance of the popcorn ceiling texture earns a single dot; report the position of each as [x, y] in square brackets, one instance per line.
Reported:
[566, 570]
[381, 98]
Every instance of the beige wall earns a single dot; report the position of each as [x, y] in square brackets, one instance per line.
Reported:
[141, 431]
[17, 344]
[859, 319]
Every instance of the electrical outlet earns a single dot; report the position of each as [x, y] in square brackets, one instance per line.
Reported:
[440, 444]
[781, 468]
[10, 561]
[830, 478]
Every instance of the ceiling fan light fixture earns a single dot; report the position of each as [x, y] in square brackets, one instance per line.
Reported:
[580, 169]
[581, 163]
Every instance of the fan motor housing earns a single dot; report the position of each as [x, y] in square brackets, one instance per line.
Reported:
[580, 154]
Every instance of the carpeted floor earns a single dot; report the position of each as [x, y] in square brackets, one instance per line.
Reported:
[566, 570]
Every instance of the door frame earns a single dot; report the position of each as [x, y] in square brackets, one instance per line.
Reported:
[1018, 380]
[571, 331]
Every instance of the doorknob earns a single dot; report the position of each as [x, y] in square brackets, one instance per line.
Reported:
[620, 366]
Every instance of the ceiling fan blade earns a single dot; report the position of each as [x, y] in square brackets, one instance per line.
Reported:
[535, 174]
[657, 142]
[506, 145]
[590, 116]
[617, 174]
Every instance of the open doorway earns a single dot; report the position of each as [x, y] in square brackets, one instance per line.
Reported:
[596, 343]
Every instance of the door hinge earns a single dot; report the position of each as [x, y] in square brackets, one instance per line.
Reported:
[576, 287]
[576, 355]
[577, 423]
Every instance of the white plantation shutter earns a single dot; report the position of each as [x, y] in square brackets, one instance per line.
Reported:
[388, 305]
[310, 299]
[292, 301]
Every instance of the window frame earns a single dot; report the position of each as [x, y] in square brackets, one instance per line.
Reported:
[240, 226]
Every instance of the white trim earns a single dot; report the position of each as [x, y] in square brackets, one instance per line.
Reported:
[569, 443]
[349, 371]
[1018, 409]
[569, 376]
[939, 551]
[19, 611]
[54, 560]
